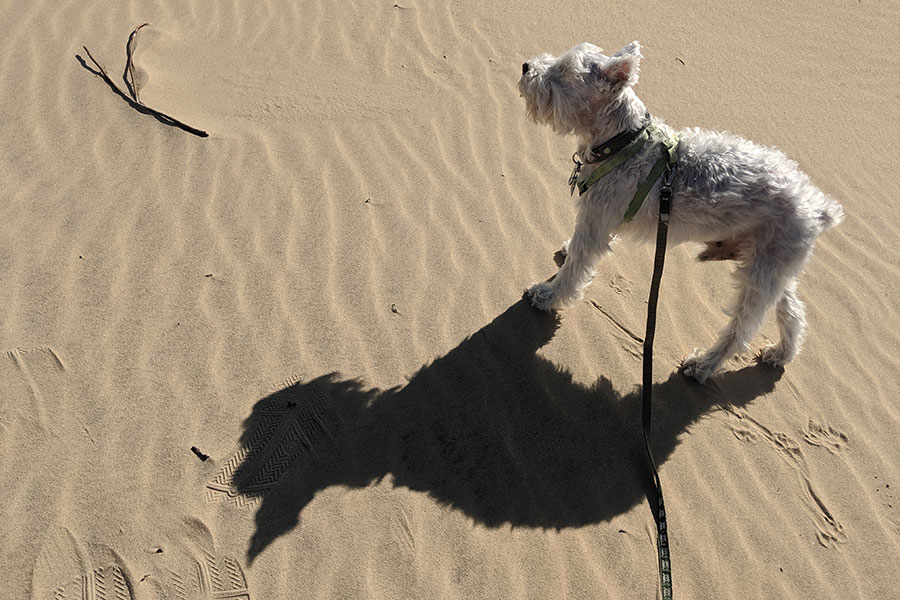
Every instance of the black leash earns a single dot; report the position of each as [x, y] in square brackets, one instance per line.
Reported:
[618, 149]
[662, 535]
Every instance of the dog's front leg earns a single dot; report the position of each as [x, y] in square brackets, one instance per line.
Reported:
[587, 246]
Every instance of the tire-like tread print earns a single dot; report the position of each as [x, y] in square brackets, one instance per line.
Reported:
[288, 426]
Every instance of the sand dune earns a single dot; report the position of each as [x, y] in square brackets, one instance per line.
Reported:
[323, 300]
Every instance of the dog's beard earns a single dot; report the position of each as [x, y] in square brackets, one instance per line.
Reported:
[545, 107]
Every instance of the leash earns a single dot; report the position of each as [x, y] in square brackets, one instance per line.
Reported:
[610, 155]
[662, 534]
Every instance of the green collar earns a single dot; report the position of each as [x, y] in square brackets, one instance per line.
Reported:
[667, 160]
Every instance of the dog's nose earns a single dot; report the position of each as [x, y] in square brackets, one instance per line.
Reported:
[525, 67]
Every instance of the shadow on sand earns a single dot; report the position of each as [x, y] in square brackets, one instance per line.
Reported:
[490, 429]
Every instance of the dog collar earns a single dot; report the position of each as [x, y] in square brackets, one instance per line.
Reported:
[615, 144]
[606, 165]
[611, 153]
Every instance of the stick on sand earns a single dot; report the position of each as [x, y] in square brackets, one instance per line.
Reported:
[128, 76]
[133, 98]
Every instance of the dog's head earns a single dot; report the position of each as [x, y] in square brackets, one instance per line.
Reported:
[576, 91]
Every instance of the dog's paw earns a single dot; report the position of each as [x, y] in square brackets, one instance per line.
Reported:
[542, 296]
[773, 355]
[694, 367]
[564, 250]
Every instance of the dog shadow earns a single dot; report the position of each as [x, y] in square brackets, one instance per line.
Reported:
[490, 429]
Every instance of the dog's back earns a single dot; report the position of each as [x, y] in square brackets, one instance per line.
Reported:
[748, 183]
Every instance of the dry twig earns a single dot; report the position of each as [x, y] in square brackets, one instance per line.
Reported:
[133, 99]
[129, 62]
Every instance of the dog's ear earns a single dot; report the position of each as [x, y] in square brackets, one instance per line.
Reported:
[623, 67]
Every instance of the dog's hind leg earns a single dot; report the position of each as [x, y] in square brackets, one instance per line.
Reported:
[759, 287]
[791, 317]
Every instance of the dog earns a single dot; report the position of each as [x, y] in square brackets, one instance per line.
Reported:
[746, 202]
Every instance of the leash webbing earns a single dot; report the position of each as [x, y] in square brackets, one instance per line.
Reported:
[666, 163]
[662, 536]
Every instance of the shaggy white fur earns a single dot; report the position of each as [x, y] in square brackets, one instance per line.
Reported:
[748, 203]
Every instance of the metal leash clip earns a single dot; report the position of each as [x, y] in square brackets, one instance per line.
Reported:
[573, 179]
[665, 193]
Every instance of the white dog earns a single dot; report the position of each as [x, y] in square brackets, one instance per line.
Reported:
[746, 202]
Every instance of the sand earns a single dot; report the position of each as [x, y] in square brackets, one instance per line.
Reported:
[291, 359]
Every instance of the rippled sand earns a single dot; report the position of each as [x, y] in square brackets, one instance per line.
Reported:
[291, 359]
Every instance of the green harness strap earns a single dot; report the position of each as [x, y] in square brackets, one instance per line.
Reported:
[668, 158]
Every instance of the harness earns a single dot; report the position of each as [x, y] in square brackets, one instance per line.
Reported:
[620, 148]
